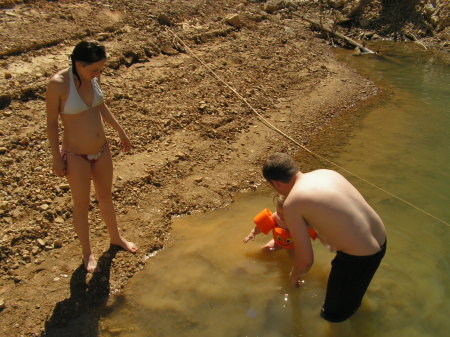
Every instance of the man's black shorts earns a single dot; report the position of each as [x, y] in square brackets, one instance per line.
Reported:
[349, 279]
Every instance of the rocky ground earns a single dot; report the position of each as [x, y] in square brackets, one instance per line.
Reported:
[195, 143]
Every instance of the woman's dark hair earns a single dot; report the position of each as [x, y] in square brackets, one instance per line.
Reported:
[87, 52]
[280, 167]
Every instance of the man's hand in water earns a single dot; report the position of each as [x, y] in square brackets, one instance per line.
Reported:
[299, 283]
[295, 280]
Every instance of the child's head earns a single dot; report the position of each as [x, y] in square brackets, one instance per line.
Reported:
[278, 200]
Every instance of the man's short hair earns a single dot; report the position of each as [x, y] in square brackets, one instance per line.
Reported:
[280, 166]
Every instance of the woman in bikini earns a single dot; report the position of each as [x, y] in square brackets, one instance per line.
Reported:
[74, 95]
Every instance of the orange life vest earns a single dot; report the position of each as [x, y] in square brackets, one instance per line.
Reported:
[281, 235]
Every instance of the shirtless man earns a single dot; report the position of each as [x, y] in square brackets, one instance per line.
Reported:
[326, 202]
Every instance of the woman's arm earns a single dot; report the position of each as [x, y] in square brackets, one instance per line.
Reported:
[109, 118]
[52, 101]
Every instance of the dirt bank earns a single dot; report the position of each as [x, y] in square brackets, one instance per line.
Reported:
[195, 144]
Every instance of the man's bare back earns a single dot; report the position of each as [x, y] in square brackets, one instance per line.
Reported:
[337, 212]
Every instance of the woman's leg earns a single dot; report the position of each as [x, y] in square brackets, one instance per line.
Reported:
[102, 174]
[79, 178]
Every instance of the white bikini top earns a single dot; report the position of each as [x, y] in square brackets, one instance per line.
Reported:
[75, 104]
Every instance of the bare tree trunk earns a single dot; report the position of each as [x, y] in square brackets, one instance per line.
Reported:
[338, 35]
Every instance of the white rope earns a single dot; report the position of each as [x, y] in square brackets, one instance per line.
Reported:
[271, 126]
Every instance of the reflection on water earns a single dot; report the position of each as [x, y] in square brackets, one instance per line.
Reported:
[208, 283]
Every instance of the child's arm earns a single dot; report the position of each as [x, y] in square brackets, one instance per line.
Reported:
[278, 220]
[255, 231]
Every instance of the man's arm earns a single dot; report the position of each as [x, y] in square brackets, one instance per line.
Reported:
[304, 255]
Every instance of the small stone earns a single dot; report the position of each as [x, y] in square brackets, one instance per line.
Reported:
[44, 207]
[368, 35]
[26, 141]
[115, 330]
[181, 156]
[434, 19]
[336, 3]
[273, 5]
[64, 186]
[364, 22]
[41, 242]
[15, 213]
[8, 76]
[234, 20]
[59, 220]
[429, 9]
[163, 19]
[2, 304]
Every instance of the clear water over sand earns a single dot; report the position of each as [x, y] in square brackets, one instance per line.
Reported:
[206, 282]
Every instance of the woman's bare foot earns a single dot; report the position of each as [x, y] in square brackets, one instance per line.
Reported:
[90, 263]
[126, 245]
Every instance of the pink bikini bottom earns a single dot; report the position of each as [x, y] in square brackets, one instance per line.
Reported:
[90, 158]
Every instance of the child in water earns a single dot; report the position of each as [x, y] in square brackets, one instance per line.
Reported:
[279, 241]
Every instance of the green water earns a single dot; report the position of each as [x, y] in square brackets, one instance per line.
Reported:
[208, 283]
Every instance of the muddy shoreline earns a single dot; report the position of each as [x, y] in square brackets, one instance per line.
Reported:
[195, 144]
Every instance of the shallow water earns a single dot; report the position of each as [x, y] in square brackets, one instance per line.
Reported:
[208, 283]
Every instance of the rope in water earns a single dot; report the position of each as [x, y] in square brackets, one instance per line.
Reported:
[274, 128]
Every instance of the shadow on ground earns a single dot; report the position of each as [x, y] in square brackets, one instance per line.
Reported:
[394, 17]
[79, 314]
